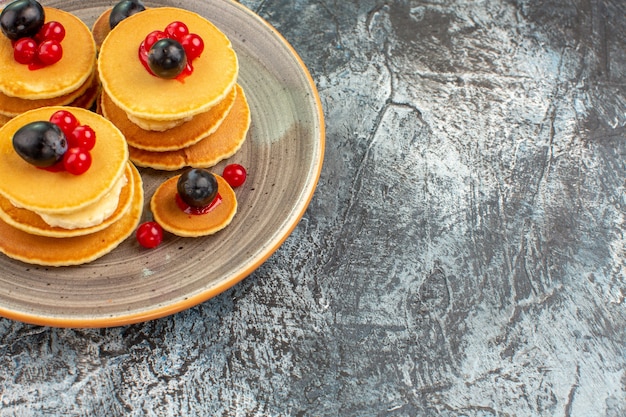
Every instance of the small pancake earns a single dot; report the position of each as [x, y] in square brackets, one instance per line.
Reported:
[175, 138]
[51, 251]
[171, 218]
[137, 92]
[221, 144]
[63, 77]
[12, 106]
[32, 223]
[61, 192]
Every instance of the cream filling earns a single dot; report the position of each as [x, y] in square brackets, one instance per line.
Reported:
[92, 215]
[157, 125]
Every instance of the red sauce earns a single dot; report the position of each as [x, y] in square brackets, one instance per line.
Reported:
[57, 167]
[197, 210]
[35, 65]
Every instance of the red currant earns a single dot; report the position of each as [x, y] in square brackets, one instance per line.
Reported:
[149, 234]
[152, 38]
[235, 175]
[83, 137]
[176, 30]
[65, 120]
[76, 161]
[193, 45]
[51, 31]
[25, 50]
[49, 52]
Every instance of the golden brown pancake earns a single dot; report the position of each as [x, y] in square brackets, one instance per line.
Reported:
[51, 251]
[72, 71]
[142, 95]
[175, 138]
[12, 106]
[32, 223]
[61, 192]
[171, 218]
[221, 144]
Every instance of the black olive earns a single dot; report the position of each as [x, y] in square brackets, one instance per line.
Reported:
[197, 187]
[167, 58]
[40, 143]
[21, 19]
[124, 9]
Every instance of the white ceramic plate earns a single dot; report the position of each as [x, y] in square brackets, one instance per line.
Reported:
[283, 155]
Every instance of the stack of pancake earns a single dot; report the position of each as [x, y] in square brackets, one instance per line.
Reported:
[71, 81]
[173, 123]
[56, 218]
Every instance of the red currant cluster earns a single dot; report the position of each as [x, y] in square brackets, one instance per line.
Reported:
[41, 50]
[192, 43]
[80, 140]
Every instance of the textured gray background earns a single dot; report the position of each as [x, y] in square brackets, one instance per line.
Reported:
[464, 254]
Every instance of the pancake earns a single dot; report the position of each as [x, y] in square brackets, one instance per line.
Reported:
[157, 125]
[138, 93]
[101, 27]
[72, 71]
[221, 144]
[61, 192]
[51, 251]
[4, 119]
[175, 138]
[88, 99]
[12, 106]
[32, 223]
[171, 218]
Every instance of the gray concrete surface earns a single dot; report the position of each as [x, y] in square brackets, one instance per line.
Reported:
[464, 254]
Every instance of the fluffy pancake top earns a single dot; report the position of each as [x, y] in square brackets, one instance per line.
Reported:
[61, 192]
[76, 65]
[132, 88]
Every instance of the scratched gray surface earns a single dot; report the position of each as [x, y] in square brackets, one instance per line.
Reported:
[464, 254]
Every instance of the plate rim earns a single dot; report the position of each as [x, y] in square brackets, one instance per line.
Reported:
[193, 300]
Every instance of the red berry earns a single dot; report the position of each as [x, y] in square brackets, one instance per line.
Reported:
[53, 30]
[25, 50]
[176, 30]
[83, 137]
[235, 175]
[50, 52]
[149, 234]
[76, 161]
[193, 45]
[152, 38]
[65, 120]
